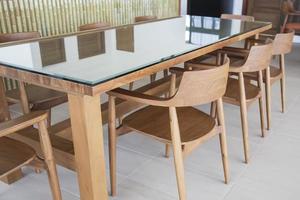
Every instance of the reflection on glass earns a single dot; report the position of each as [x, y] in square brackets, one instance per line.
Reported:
[116, 52]
[52, 52]
[91, 44]
[125, 39]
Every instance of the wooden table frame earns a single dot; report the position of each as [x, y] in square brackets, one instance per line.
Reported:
[86, 116]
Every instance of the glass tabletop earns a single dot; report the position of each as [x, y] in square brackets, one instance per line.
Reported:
[99, 56]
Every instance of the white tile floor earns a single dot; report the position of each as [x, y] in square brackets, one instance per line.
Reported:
[143, 173]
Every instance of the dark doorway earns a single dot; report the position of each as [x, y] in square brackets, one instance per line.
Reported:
[211, 8]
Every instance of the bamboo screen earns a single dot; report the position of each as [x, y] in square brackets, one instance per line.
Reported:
[52, 17]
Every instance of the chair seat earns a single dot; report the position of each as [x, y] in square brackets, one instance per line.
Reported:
[233, 92]
[292, 26]
[38, 97]
[155, 122]
[13, 155]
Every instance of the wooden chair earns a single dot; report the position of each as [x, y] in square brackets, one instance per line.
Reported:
[32, 97]
[97, 25]
[289, 11]
[15, 154]
[282, 45]
[243, 93]
[172, 120]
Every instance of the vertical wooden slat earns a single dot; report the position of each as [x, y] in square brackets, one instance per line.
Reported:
[52, 17]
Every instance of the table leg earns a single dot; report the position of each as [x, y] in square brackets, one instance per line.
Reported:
[85, 113]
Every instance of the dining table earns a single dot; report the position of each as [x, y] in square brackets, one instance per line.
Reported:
[89, 63]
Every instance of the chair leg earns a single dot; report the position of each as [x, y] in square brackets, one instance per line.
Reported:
[49, 118]
[49, 160]
[167, 151]
[178, 157]
[213, 109]
[152, 77]
[24, 98]
[223, 142]
[261, 108]
[166, 73]
[244, 117]
[131, 86]
[112, 145]
[268, 97]
[282, 83]
[282, 86]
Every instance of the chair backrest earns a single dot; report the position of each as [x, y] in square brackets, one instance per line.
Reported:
[10, 37]
[283, 43]
[94, 26]
[201, 86]
[288, 6]
[144, 18]
[238, 17]
[259, 58]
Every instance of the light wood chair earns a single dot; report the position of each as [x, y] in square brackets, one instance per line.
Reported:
[32, 97]
[97, 25]
[282, 45]
[145, 18]
[289, 11]
[15, 154]
[172, 120]
[243, 93]
[238, 17]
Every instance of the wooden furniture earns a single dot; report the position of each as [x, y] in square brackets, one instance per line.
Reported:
[243, 93]
[144, 18]
[84, 102]
[290, 12]
[97, 25]
[173, 120]
[15, 154]
[266, 10]
[238, 17]
[32, 97]
[282, 45]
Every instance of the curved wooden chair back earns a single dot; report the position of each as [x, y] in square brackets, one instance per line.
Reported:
[201, 86]
[96, 25]
[288, 7]
[283, 43]
[144, 18]
[11, 37]
[238, 17]
[259, 58]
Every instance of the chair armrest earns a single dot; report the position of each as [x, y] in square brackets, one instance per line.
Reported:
[235, 49]
[177, 70]
[139, 97]
[22, 122]
[294, 13]
[199, 66]
[266, 35]
[258, 41]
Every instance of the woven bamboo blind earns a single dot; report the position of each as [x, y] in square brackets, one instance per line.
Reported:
[52, 17]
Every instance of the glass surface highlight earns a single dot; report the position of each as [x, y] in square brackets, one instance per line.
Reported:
[101, 56]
